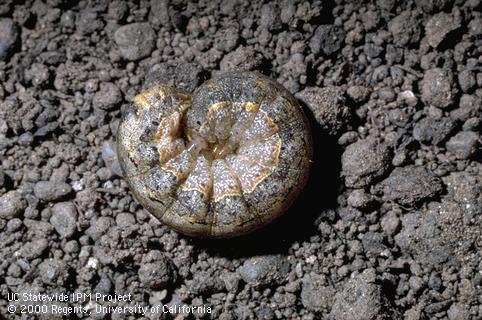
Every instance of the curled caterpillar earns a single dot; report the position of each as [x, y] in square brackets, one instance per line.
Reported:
[220, 162]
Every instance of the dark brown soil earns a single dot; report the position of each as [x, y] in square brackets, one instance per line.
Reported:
[389, 226]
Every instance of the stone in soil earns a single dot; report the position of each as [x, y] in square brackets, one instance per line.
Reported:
[316, 293]
[33, 249]
[469, 107]
[359, 199]
[205, 282]
[118, 9]
[440, 235]
[156, 271]
[53, 271]
[327, 39]
[364, 161]
[466, 190]
[436, 88]
[264, 270]
[434, 131]
[328, 107]
[466, 80]
[410, 185]
[109, 155]
[405, 28]
[358, 93]
[159, 13]
[51, 191]
[64, 218]
[390, 223]
[439, 27]
[373, 243]
[8, 37]
[109, 96]
[242, 58]
[12, 205]
[99, 226]
[458, 311]
[464, 144]
[361, 298]
[135, 40]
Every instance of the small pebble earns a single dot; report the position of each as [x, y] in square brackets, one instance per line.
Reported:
[440, 25]
[328, 107]
[14, 224]
[390, 223]
[327, 39]
[264, 270]
[316, 293]
[436, 88]
[33, 249]
[364, 161]
[99, 226]
[359, 199]
[12, 204]
[135, 41]
[108, 97]
[51, 191]
[410, 185]
[359, 298]
[464, 144]
[64, 218]
[358, 93]
[156, 270]
[8, 37]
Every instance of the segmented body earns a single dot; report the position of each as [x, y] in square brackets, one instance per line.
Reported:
[220, 162]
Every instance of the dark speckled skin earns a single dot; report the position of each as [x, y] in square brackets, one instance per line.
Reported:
[222, 162]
